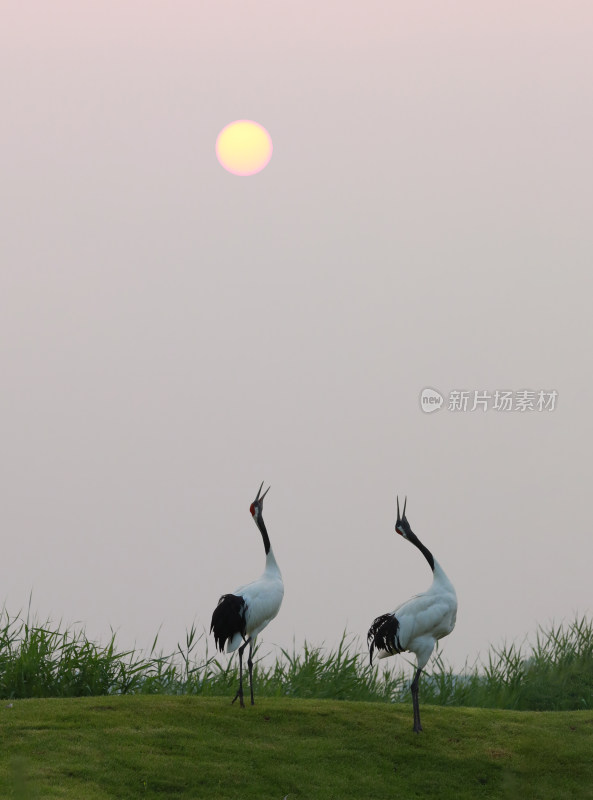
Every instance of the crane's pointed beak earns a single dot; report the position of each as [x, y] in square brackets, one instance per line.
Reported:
[259, 499]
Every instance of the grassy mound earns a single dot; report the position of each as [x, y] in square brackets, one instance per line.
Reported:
[196, 747]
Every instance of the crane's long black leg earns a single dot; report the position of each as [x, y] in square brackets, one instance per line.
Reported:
[414, 687]
[240, 689]
[250, 665]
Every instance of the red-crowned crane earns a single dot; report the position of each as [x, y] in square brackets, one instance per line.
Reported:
[239, 617]
[418, 624]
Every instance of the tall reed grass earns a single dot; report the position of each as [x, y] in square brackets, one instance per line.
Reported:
[555, 672]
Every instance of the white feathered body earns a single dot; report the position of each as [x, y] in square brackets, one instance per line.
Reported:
[425, 618]
[263, 598]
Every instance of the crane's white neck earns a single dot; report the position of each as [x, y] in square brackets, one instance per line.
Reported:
[440, 577]
[272, 567]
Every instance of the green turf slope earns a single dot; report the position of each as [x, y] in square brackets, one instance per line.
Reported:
[171, 747]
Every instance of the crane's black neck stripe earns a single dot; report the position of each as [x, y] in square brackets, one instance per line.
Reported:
[264, 534]
[424, 550]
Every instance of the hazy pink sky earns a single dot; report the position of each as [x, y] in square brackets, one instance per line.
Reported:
[172, 335]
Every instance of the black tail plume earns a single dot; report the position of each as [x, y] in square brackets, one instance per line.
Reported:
[383, 635]
[228, 619]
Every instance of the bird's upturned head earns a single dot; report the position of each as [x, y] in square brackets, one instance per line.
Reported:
[257, 506]
[402, 526]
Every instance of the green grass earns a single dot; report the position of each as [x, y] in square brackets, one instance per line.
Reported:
[108, 723]
[202, 747]
[554, 673]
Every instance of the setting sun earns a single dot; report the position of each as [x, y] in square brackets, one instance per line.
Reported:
[244, 147]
